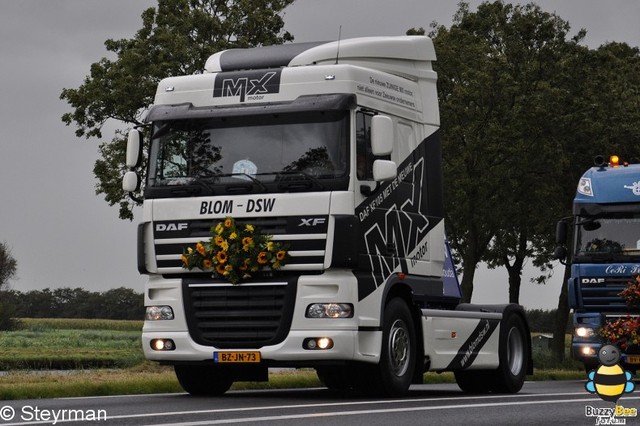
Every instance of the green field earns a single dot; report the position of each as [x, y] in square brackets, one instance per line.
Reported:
[64, 344]
[104, 357]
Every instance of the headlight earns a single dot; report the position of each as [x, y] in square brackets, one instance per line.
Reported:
[158, 313]
[587, 350]
[584, 332]
[330, 310]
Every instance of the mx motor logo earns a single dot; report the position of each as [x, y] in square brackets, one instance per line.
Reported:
[248, 85]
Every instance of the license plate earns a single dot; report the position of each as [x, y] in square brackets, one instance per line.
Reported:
[236, 357]
[633, 359]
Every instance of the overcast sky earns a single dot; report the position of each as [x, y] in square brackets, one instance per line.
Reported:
[59, 231]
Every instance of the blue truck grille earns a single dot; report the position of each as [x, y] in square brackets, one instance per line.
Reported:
[602, 293]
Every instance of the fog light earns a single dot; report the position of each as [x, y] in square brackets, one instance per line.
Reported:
[588, 350]
[158, 313]
[330, 310]
[317, 343]
[584, 332]
[324, 343]
[162, 345]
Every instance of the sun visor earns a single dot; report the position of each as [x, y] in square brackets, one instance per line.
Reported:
[328, 103]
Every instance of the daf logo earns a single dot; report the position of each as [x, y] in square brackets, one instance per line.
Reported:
[312, 221]
[162, 227]
[592, 280]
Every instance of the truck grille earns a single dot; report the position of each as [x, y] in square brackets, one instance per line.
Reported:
[238, 316]
[307, 245]
[603, 295]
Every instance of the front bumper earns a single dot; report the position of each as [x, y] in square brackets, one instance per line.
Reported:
[350, 341]
[289, 351]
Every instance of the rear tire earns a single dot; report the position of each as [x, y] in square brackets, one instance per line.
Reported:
[513, 353]
[203, 380]
[473, 381]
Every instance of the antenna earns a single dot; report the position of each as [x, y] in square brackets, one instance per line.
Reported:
[339, 38]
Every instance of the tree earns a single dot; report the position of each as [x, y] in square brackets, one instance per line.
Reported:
[8, 269]
[8, 265]
[524, 109]
[501, 74]
[122, 303]
[493, 82]
[539, 60]
[175, 39]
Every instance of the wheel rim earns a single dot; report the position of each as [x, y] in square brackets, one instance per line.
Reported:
[515, 351]
[399, 347]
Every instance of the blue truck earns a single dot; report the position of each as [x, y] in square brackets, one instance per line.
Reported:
[604, 254]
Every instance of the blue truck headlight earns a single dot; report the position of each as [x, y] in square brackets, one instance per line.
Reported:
[330, 310]
[584, 332]
[158, 313]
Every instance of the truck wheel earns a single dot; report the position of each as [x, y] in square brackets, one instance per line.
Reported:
[513, 352]
[473, 381]
[336, 378]
[589, 366]
[393, 375]
[202, 380]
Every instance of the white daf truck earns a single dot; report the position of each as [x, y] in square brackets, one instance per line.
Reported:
[332, 150]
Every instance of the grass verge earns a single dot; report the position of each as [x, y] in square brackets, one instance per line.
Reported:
[104, 357]
[149, 378]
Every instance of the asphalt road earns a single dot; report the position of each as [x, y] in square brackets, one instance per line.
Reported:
[538, 403]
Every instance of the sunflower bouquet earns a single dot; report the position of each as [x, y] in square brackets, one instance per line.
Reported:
[235, 251]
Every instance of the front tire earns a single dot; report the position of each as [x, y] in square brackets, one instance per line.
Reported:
[337, 378]
[203, 380]
[393, 374]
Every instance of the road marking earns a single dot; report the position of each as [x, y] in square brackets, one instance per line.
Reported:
[345, 404]
[369, 412]
[353, 412]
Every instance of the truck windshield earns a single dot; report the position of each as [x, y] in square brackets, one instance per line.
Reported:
[267, 153]
[608, 238]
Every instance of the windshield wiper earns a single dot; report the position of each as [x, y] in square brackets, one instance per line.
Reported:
[602, 257]
[241, 186]
[189, 187]
[289, 185]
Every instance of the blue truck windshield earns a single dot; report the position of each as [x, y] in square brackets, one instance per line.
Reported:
[608, 238]
[268, 153]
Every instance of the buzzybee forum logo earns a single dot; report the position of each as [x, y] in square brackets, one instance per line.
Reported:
[610, 381]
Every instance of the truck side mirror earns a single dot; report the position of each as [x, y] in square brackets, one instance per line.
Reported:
[561, 232]
[560, 253]
[134, 149]
[131, 182]
[381, 135]
[384, 170]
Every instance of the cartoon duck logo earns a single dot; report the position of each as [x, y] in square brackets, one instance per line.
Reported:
[609, 380]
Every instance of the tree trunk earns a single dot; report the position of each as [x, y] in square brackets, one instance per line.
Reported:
[467, 284]
[562, 316]
[515, 278]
